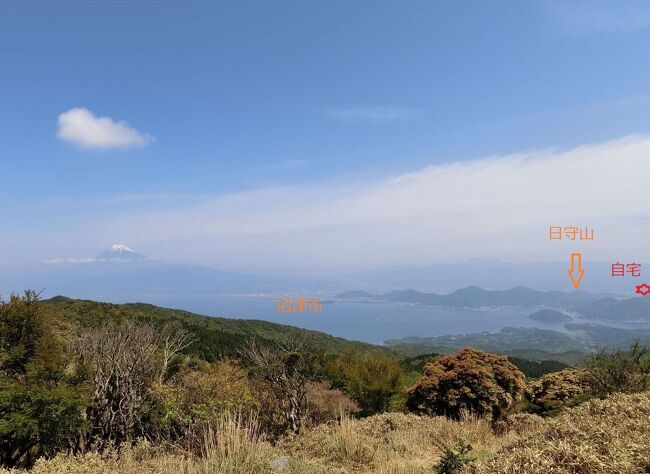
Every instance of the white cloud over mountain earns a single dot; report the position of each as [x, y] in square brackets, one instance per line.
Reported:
[82, 128]
[495, 207]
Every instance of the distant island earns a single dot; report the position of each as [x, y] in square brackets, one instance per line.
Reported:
[474, 296]
[549, 316]
[594, 306]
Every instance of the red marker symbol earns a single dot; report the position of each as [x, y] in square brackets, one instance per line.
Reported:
[643, 290]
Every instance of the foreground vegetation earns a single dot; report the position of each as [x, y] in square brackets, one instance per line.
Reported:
[122, 389]
[607, 436]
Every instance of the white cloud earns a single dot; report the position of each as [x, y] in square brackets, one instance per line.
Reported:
[495, 207]
[61, 261]
[372, 114]
[82, 128]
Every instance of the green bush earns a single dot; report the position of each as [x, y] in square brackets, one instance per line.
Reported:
[200, 394]
[626, 371]
[557, 390]
[41, 401]
[370, 379]
[452, 460]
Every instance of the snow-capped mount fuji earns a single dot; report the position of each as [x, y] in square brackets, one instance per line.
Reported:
[120, 274]
[120, 252]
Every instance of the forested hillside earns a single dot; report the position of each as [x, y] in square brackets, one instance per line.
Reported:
[213, 337]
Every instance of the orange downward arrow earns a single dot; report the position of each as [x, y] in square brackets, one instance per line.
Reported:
[576, 261]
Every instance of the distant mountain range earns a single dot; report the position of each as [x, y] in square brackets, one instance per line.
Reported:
[119, 273]
[601, 306]
[489, 274]
[611, 309]
[475, 297]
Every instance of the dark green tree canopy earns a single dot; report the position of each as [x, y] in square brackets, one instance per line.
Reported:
[41, 406]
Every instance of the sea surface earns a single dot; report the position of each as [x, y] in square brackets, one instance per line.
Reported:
[373, 322]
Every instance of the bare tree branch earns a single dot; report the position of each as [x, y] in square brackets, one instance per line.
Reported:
[287, 368]
[173, 340]
[122, 362]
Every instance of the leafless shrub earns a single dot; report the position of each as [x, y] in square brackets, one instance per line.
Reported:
[287, 368]
[121, 361]
[325, 403]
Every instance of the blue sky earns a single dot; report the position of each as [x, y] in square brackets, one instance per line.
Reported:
[325, 96]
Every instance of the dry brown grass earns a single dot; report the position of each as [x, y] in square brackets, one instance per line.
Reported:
[233, 446]
[601, 436]
[610, 436]
[386, 443]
